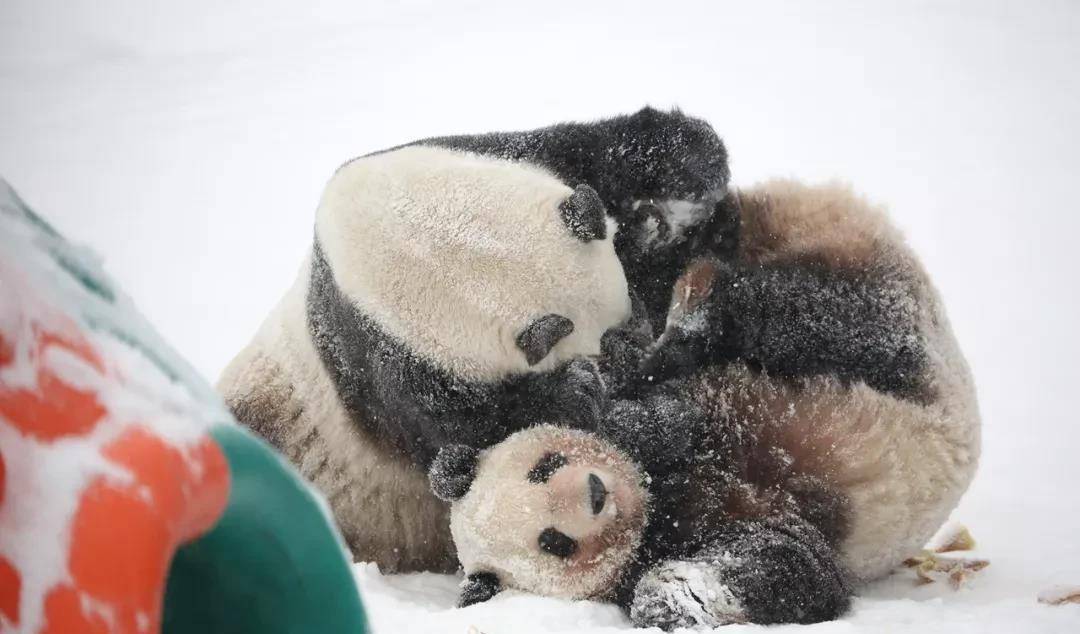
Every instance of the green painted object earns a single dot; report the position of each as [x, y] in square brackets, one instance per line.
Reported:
[273, 563]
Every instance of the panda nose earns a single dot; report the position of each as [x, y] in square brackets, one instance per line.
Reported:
[597, 493]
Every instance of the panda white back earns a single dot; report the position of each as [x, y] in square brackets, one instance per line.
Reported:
[455, 254]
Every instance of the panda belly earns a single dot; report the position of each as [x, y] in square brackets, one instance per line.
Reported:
[380, 500]
[899, 466]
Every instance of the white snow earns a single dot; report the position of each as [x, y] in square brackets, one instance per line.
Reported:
[188, 143]
[680, 216]
[423, 603]
[698, 593]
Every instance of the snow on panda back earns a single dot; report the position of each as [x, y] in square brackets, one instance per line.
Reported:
[455, 254]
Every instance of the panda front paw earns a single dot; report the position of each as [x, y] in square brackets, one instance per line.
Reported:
[477, 588]
[451, 473]
[684, 594]
[660, 432]
[580, 395]
[621, 352]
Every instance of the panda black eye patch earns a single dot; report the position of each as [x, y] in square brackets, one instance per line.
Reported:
[539, 337]
[548, 464]
[557, 543]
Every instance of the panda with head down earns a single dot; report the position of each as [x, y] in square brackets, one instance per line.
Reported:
[803, 422]
[457, 289]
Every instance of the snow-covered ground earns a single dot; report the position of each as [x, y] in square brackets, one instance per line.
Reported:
[189, 141]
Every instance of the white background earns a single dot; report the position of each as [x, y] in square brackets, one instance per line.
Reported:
[188, 143]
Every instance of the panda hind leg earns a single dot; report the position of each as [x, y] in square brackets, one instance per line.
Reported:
[779, 570]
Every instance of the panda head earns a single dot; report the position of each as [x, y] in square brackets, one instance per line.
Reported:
[482, 266]
[549, 510]
[673, 156]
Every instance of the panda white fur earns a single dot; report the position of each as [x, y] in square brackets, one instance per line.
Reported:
[433, 251]
[457, 290]
[534, 480]
[837, 429]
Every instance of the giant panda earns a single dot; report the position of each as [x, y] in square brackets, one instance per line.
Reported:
[458, 289]
[836, 429]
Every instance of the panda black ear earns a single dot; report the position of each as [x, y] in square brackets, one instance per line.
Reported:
[452, 472]
[584, 214]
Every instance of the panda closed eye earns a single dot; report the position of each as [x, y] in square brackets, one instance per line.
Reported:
[548, 464]
[540, 336]
[552, 461]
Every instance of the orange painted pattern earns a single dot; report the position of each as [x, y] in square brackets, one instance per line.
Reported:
[53, 408]
[10, 590]
[124, 532]
[123, 536]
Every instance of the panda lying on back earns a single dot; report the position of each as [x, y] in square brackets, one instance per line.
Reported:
[837, 429]
[457, 290]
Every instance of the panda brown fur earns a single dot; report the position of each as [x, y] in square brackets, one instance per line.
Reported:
[833, 427]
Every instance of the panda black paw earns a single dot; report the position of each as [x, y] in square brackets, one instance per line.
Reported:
[660, 432]
[452, 472]
[621, 352]
[477, 588]
[580, 395]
